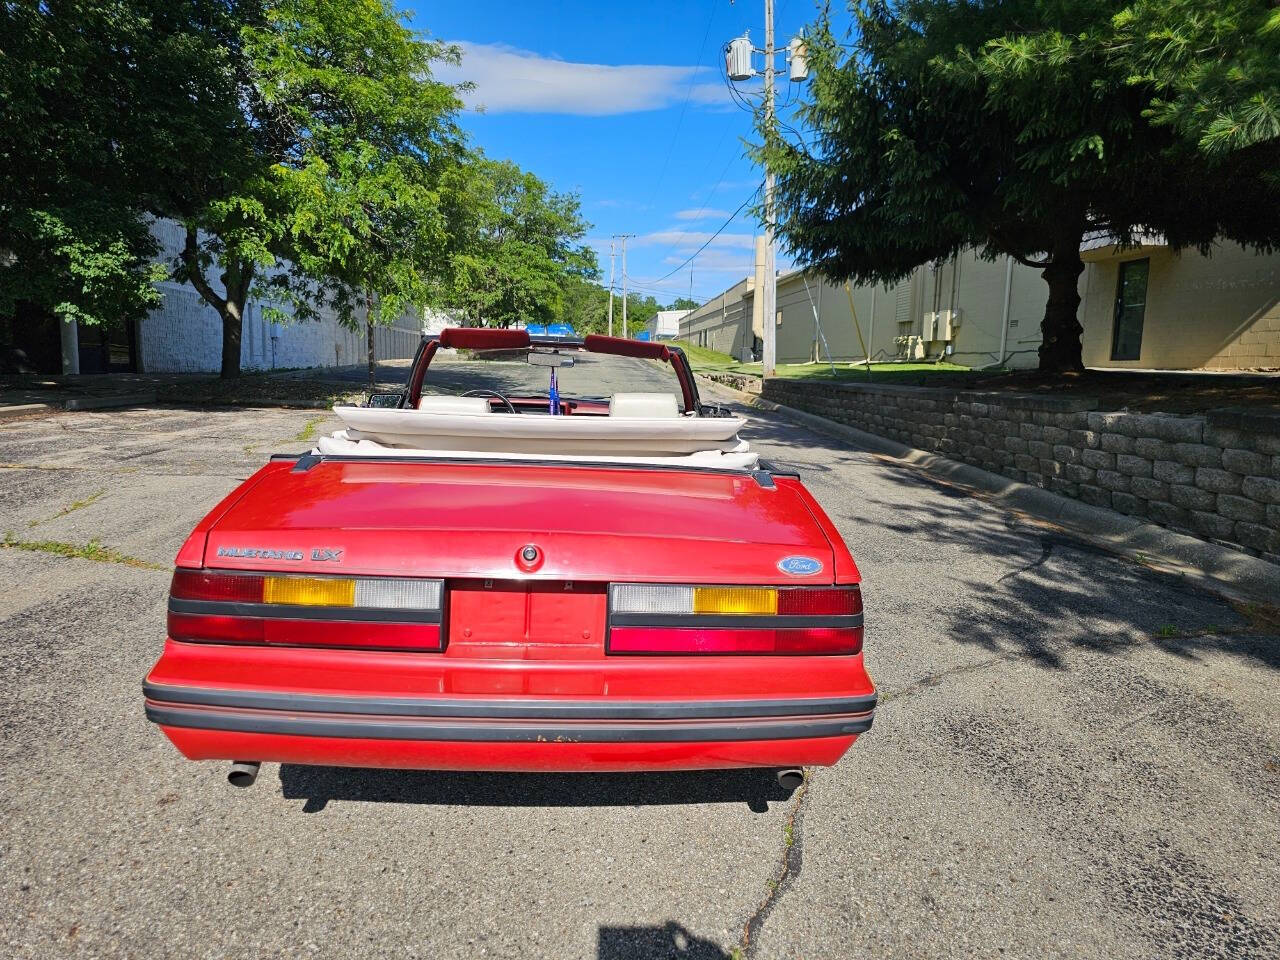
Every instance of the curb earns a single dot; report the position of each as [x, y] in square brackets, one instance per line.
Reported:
[82, 404]
[17, 411]
[245, 404]
[107, 403]
[1218, 569]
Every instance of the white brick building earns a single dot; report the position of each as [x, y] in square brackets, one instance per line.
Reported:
[184, 334]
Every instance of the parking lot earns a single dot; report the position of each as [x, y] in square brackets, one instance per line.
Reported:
[1074, 756]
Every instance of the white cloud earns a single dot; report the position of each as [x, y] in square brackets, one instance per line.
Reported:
[725, 185]
[617, 203]
[510, 80]
[692, 239]
[713, 261]
[703, 214]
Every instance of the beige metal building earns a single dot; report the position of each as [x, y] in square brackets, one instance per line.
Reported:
[1143, 307]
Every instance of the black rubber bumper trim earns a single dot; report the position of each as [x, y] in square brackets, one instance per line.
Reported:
[506, 731]
[558, 710]
[281, 611]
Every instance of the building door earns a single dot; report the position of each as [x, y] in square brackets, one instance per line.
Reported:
[1131, 310]
[109, 349]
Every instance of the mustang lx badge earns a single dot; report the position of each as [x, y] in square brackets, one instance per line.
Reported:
[260, 553]
[800, 566]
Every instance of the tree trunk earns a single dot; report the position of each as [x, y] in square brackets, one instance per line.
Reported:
[235, 280]
[368, 324]
[237, 277]
[232, 328]
[1060, 329]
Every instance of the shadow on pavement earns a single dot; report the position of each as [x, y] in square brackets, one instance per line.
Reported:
[670, 941]
[1055, 592]
[318, 785]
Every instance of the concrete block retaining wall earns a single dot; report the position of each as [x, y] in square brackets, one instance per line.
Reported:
[1216, 476]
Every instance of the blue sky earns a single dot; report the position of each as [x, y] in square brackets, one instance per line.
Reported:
[624, 104]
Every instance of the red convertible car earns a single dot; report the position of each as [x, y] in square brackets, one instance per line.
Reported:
[549, 573]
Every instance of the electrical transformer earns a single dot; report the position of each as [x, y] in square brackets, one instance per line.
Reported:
[737, 59]
[798, 55]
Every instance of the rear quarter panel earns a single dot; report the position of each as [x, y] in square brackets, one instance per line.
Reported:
[844, 566]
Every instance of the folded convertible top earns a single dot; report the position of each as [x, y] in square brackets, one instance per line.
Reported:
[523, 434]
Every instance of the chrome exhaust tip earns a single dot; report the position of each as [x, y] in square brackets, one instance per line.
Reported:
[790, 778]
[243, 773]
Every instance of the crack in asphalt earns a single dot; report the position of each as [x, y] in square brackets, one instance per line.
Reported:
[123, 471]
[83, 468]
[1111, 641]
[788, 870]
[1046, 548]
[72, 508]
[930, 680]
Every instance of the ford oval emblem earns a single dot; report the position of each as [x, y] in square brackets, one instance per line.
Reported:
[800, 566]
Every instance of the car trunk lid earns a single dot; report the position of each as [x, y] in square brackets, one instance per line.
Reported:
[472, 521]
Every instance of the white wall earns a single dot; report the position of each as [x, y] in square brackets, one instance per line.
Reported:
[1218, 312]
[184, 334]
[723, 323]
[665, 324]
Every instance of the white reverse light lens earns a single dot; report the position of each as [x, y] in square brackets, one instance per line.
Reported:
[391, 594]
[652, 598]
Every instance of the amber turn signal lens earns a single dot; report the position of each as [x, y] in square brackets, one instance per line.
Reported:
[309, 591]
[736, 600]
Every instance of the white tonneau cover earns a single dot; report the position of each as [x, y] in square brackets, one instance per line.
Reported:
[676, 441]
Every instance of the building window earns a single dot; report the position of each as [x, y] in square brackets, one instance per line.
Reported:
[1131, 309]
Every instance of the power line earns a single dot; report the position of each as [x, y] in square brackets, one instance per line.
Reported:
[674, 292]
[707, 201]
[723, 227]
[688, 94]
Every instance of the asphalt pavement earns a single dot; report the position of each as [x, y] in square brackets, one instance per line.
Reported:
[1075, 756]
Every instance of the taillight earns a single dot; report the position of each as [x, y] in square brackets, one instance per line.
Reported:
[662, 618]
[386, 613]
[203, 585]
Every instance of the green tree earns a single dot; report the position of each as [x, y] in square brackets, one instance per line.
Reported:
[1011, 127]
[331, 186]
[523, 244]
[372, 192]
[584, 305]
[224, 188]
[683, 303]
[81, 137]
[640, 310]
[1213, 68]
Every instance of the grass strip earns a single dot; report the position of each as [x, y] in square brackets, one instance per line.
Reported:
[308, 432]
[77, 505]
[93, 550]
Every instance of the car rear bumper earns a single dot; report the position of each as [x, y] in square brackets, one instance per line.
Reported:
[511, 734]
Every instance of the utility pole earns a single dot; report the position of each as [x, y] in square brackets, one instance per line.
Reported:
[623, 238]
[738, 67]
[611, 252]
[770, 292]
